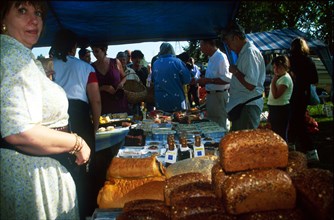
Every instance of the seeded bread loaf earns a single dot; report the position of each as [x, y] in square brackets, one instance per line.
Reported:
[195, 208]
[252, 149]
[142, 215]
[315, 192]
[297, 163]
[182, 179]
[147, 204]
[191, 190]
[282, 214]
[258, 190]
[218, 178]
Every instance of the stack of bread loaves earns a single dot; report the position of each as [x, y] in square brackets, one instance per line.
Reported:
[257, 178]
[131, 179]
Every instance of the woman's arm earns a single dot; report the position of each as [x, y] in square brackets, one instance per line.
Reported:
[93, 94]
[123, 76]
[277, 91]
[41, 140]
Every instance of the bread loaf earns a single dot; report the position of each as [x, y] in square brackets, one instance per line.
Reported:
[218, 178]
[258, 190]
[142, 215]
[191, 190]
[315, 192]
[135, 168]
[198, 164]
[116, 192]
[252, 149]
[282, 214]
[182, 179]
[197, 208]
[147, 204]
[297, 163]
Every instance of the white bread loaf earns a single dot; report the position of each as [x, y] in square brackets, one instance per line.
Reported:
[258, 190]
[135, 168]
[252, 149]
[116, 192]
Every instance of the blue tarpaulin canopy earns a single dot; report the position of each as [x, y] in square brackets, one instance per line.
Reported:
[279, 41]
[122, 22]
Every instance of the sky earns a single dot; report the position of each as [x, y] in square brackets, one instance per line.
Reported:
[149, 49]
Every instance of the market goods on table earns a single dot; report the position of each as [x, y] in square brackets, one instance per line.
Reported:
[279, 186]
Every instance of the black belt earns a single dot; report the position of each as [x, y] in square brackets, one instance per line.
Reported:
[216, 91]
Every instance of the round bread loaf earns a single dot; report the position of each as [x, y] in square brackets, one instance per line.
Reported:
[218, 177]
[282, 214]
[147, 204]
[142, 215]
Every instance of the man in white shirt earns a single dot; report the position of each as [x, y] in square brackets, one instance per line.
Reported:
[247, 80]
[217, 82]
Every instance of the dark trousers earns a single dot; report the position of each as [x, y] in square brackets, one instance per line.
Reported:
[80, 123]
[193, 95]
[279, 119]
[297, 132]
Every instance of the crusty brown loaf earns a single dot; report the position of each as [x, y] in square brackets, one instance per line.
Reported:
[142, 215]
[191, 190]
[182, 179]
[282, 214]
[135, 168]
[197, 206]
[147, 204]
[218, 178]
[258, 190]
[297, 162]
[315, 192]
[116, 192]
[198, 164]
[252, 149]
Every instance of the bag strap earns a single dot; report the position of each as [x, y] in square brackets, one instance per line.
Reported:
[257, 97]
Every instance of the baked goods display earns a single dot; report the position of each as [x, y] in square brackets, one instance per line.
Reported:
[249, 149]
[254, 177]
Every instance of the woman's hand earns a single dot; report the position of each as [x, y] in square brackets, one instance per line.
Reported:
[108, 88]
[83, 155]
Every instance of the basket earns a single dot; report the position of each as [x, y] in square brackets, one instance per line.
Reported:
[135, 91]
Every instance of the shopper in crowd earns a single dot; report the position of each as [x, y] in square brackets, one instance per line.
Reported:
[193, 89]
[169, 75]
[304, 73]
[216, 81]
[129, 73]
[279, 96]
[137, 58]
[79, 81]
[84, 54]
[111, 79]
[247, 79]
[33, 124]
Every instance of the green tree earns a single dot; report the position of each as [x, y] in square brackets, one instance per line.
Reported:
[312, 17]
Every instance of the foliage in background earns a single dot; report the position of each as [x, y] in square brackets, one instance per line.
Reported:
[312, 17]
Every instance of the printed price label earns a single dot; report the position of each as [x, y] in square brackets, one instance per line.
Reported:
[199, 151]
[170, 156]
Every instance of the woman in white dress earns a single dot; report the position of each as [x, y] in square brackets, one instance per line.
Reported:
[34, 116]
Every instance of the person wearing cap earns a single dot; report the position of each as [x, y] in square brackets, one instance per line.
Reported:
[129, 73]
[84, 54]
[247, 80]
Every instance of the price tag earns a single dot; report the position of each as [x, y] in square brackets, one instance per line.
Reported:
[171, 156]
[199, 151]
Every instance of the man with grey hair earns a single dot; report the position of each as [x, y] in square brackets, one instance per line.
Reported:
[247, 79]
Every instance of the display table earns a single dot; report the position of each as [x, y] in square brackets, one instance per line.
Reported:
[108, 139]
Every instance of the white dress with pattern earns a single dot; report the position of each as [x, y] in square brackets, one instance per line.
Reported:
[31, 187]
